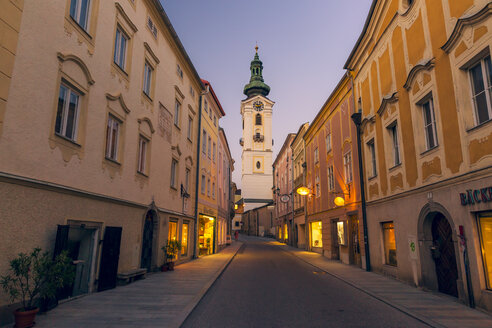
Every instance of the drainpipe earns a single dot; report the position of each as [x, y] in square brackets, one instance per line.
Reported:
[197, 185]
[292, 199]
[357, 119]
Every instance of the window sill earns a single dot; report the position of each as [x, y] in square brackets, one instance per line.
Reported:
[189, 140]
[121, 71]
[72, 142]
[174, 188]
[177, 127]
[81, 30]
[112, 161]
[372, 177]
[429, 151]
[142, 174]
[146, 96]
[394, 167]
[476, 127]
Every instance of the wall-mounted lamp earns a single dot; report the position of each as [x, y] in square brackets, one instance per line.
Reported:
[303, 191]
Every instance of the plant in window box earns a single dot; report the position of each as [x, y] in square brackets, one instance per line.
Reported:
[171, 249]
[35, 276]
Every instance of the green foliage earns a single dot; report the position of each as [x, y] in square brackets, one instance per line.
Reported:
[171, 249]
[36, 275]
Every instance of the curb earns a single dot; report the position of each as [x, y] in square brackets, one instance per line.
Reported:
[181, 318]
[400, 308]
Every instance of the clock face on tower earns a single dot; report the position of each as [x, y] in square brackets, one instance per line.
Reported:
[258, 106]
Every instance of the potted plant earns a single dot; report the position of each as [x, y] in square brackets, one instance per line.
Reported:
[32, 276]
[171, 249]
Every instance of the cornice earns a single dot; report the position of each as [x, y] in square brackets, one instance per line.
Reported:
[463, 22]
[119, 98]
[125, 16]
[149, 122]
[427, 66]
[70, 57]
[388, 99]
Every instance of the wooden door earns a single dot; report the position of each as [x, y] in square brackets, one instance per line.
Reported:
[354, 241]
[148, 233]
[110, 256]
[444, 256]
[335, 248]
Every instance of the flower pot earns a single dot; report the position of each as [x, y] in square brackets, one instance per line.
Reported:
[170, 266]
[25, 319]
[164, 267]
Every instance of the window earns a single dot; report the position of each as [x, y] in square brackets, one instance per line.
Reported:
[258, 119]
[480, 75]
[485, 227]
[328, 142]
[152, 27]
[347, 165]
[213, 190]
[215, 120]
[213, 153]
[331, 179]
[258, 165]
[190, 127]
[393, 130]
[286, 232]
[147, 78]
[192, 92]
[142, 154]
[208, 187]
[177, 110]
[318, 189]
[79, 11]
[205, 105]
[429, 124]
[316, 234]
[120, 42]
[172, 233]
[316, 155]
[67, 113]
[372, 154]
[204, 141]
[210, 113]
[184, 239]
[209, 152]
[174, 172]
[389, 243]
[179, 71]
[187, 179]
[202, 186]
[112, 134]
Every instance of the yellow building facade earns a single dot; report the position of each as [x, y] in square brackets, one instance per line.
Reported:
[422, 75]
[99, 126]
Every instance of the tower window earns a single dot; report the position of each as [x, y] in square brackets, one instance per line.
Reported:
[258, 165]
[258, 119]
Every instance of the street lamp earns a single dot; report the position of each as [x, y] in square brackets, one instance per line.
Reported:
[357, 119]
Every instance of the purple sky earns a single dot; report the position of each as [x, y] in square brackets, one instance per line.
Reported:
[303, 45]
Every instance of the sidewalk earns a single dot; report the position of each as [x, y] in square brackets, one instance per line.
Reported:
[163, 299]
[431, 308]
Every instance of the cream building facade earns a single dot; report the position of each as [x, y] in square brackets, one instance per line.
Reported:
[225, 167]
[257, 142]
[98, 138]
[421, 72]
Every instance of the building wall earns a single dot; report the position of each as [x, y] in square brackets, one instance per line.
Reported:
[406, 58]
[83, 60]
[299, 158]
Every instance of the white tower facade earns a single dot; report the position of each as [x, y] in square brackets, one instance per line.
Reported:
[256, 158]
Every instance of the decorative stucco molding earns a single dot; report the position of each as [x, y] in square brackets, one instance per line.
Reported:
[463, 22]
[388, 99]
[125, 16]
[177, 150]
[151, 53]
[149, 122]
[70, 57]
[367, 120]
[119, 98]
[426, 66]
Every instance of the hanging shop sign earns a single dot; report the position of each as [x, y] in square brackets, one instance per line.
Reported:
[476, 196]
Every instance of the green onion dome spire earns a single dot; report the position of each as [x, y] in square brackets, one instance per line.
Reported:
[256, 85]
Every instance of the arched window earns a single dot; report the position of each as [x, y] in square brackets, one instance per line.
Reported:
[258, 165]
[258, 119]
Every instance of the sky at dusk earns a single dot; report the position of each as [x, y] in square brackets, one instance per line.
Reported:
[303, 45]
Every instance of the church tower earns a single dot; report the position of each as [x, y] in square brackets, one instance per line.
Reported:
[256, 158]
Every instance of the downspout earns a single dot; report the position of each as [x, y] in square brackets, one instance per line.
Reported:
[357, 119]
[292, 199]
[197, 185]
[304, 198]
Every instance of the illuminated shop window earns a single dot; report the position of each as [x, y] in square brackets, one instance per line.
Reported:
[485, 226]
[172, 234]
[286, 232]
[389, 243]
[316, 234]
[184, 241]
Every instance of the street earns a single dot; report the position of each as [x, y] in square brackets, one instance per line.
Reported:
[265, 286]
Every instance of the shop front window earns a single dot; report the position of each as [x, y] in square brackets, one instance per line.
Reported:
[286, 232]
[172, 234]
[184, 241]
[206, 234]
[485, 226]
[389, 243]
[316, 234]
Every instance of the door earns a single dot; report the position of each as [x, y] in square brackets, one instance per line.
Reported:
[354, 241]
[61, 244]
[335, 248]
[110, 256]
[148, 233]
[444, 256]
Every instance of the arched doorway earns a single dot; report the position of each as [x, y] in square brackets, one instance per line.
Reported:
[443, 253]
[147, 241]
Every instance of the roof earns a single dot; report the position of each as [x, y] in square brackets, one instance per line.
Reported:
[359, 40]
[299, 132]
[176, 39]
[206, 83]
[283, 146]
[221, 130]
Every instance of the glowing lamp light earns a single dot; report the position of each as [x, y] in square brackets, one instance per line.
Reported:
[339, 201]
[235, 206]
[303, 191]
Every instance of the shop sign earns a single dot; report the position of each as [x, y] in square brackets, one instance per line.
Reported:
[412, 246]
[476, 196]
